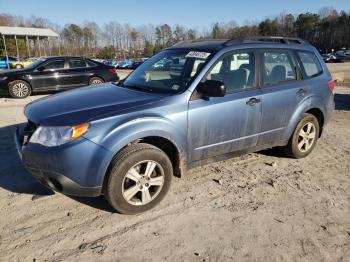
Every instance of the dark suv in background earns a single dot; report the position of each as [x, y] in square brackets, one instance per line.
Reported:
[189, 104]
[53, 74]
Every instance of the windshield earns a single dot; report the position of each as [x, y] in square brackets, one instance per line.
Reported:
[168, 71]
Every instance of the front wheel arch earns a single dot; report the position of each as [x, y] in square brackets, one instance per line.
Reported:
[118, 167]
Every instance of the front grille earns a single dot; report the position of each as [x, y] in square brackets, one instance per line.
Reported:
[28, 131]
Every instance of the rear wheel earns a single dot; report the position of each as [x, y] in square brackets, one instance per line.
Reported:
[19, 89]
[304, 137]
[95, 81]
[139, 178]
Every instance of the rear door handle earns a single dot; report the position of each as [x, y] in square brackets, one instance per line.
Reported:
[253, 101]
[301, 92]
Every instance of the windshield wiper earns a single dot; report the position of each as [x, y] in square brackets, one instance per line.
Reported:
[139, 88]
[143, 89]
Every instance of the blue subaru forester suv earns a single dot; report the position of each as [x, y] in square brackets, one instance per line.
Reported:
[187, 105]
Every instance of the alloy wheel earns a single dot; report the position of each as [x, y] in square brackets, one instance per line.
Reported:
[306, 137]
[20, 90]
[143, 182]
[96, 81]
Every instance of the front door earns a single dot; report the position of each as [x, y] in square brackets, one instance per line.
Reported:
[48, 75]
[218, 125]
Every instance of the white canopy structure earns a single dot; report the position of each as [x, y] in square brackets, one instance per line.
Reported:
[27, 32]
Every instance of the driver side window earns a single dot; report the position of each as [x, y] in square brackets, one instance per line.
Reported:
[54, 64]
[235, 70]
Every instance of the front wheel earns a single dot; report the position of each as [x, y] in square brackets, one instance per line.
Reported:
[139, 178]
[19, 89]
[304, 137]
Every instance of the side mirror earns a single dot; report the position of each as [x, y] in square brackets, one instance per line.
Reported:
[212, 88]
[41, 68]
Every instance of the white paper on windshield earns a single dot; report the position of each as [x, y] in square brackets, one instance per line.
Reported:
[197, 54]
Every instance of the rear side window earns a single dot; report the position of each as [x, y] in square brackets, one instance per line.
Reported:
[311, 65]
[278, 67]
[76, 63]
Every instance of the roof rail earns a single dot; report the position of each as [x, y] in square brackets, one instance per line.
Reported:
[185, 42]
[266, 39]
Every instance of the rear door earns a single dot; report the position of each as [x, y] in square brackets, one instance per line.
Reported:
[281, 92]
[78, 74]
[218, 125]
[48, 75]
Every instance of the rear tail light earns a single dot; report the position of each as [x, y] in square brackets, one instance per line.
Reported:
[331, 85]
[113, 71]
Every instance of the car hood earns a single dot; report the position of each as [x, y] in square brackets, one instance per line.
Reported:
[85, 104]
[10, 72]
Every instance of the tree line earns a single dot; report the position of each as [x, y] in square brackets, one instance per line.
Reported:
[327, 29]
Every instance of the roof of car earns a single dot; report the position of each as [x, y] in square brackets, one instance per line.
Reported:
[213, 45]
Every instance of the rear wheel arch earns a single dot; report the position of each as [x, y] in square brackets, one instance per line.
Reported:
[304, 137]
[96, 76]
[312, 105]
[320, 117]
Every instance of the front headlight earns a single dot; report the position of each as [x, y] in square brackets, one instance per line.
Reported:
[57, 135]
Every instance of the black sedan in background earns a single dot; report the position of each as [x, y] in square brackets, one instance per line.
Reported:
[335, 58]
[53, 74]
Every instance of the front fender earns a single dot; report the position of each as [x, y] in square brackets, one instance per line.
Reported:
[117, 135]
[145, 127]
[306, 104]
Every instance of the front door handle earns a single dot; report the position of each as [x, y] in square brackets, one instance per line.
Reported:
[253, 101]
[301, 92]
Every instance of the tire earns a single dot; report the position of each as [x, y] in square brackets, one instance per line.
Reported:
[19, 89]
[126, 190]
[303, 139]
[95, 81]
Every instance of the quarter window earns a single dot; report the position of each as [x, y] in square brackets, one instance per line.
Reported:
[278, 67]
[310, 64]
[236, 71]
[90, 63]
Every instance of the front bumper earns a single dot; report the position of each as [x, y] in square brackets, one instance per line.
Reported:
[76, 168]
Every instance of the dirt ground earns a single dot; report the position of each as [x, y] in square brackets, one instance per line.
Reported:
[258, 207]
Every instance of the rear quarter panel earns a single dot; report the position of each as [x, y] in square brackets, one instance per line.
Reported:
[318, 96]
